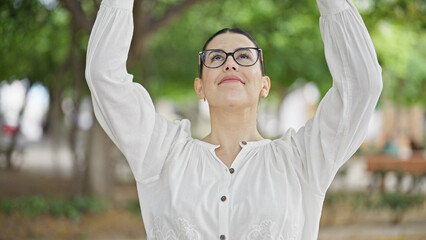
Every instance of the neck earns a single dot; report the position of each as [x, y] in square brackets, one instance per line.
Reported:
[231, 126]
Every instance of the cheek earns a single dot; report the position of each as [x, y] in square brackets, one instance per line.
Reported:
[255, 75]
[208, 74]
[255, 71]
[209, 77]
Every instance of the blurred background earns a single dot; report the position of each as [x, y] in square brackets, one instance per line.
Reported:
[62, 178]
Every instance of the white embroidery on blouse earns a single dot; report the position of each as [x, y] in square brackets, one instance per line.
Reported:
[292, 234]
[263, 231]
[185, 230]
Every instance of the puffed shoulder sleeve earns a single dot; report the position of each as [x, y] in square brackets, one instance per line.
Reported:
[339, 126]
[124, 108]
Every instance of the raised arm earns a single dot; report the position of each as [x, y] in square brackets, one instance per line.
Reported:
[124, 108]
[339, 126]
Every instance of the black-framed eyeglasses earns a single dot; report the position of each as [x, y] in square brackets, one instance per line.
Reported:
[214, 58]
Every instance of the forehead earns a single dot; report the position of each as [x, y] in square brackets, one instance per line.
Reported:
[230, 42]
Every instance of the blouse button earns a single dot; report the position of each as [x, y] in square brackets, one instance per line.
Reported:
[244, 143]
[223, 198]
[231, 170]
[222, 237]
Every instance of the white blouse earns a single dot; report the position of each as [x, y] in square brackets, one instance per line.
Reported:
[275, 188]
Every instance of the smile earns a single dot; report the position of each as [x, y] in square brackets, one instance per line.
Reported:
[231, 79]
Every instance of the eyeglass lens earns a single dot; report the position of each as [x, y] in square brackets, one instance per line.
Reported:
[244, 57]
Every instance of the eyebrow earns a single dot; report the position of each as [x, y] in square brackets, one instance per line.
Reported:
[218, 49]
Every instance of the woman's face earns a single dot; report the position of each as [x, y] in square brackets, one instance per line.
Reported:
[244, 85]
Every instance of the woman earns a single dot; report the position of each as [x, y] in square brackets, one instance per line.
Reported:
[234, 184]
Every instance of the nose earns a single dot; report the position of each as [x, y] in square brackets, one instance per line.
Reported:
[230, 64]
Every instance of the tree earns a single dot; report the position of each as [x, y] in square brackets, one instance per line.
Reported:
[149, 17]
[288, 33]
[48, 45]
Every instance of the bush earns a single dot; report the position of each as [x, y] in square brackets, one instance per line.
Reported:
[134, 208]
[400, 202]
[397, 202]
[36, 205]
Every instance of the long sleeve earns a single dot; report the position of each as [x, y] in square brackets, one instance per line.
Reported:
[339, 126]
[124, 108]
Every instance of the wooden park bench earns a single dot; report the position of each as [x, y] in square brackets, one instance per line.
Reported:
[381, 164]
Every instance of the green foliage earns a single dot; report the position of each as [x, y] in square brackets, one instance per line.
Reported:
[396, 201]
[400, 202]
[33, 42]
[287, 32]
[402, 52]
[38, 205]
[134, 208]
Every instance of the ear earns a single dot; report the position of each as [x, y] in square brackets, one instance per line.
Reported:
[198, 86]
[266, 85]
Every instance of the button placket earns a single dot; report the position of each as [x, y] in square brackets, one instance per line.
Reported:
[224, 194]
[223, 199]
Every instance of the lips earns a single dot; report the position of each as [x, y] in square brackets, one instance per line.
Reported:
[230, 79]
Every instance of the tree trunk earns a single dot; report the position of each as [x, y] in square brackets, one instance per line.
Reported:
[100, 169]
[97, 177]
[76, 135]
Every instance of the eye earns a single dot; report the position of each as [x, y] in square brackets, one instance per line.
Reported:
[244, 56]
[216, 57]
